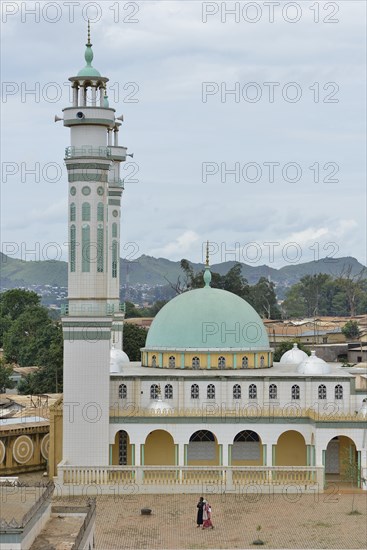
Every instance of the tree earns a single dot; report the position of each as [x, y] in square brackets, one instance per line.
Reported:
[5, 377]
[351, 330]
[134, 339]
[14, 302]
[286, 346]
[263, 299]
[131, 311]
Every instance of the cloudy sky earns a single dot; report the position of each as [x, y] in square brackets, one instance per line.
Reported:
[247, 128]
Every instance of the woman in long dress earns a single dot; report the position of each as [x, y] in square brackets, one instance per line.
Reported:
[207, 516]
[200, 506]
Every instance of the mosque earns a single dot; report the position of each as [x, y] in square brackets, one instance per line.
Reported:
[207, 408]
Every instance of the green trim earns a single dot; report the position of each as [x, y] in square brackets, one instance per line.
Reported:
[90, 177]
[323, 463]
[255, 360]
[160, 360]
[176, 454]
[87, 121]
[83, 324]
[208, 361]
[110, 455]
[230, 454]
[220, 454]
[88, 166]
[234, 362]
[114, 202]
[142, 454]
[273, 455]
[264, 455]
[94, 335]
[132, 454]
[307, 455]
[182, 360]
[114, 193]
[185, 454]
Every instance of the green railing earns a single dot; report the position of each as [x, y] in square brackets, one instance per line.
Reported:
[87, 151]
[110, 309]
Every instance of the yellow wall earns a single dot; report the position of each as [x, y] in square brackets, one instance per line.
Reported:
[55, 453]
[115, 451]
[204, 359]
[159, 449]
[291, 450]
[36, 461]
[347, 449]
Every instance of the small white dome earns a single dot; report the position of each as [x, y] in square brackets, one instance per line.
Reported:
[294, 356]
[160, 407]
[118, 358]
[313, 365]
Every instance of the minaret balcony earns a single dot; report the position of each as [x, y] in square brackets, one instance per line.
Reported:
[87, 151]
[118, 153]
[110, 309]
[117, 183]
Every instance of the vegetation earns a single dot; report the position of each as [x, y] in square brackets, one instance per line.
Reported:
[134, 339]
[351, 330]
[352, 475]
[5, 374]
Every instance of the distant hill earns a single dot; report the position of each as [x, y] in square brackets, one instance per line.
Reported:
[158, 271]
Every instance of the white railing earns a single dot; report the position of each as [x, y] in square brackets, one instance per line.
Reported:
[229, 478]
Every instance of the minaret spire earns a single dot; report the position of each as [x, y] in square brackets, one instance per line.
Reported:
[89, 42]
[207, 274]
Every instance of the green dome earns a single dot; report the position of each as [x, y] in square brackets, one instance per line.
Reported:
[88, 70]
[207, 318]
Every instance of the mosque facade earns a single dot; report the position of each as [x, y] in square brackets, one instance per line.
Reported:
[206, 406]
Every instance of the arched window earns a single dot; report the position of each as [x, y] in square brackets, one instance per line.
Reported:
[221, 362]
[210, 391]
[100, 249]
[295, 393]
[154, 391]
[262, 361]
[114, 230]
[322, 391]
[122, 391]
[72, 248]
[195, 362]
[172, 362]
[168, 391]
[100, 212]
[236, 391]
[245, 362]
[273, 391]
[114, 260]
[85, 248]
[154, 360]
[86, 212]
[252, 391]
[338, 391]
[72, 212]
[194, 391]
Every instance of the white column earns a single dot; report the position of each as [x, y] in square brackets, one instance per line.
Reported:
[116, 136]
[109, 136]
[101, 96]
[94, 96]
[83, 96]
[75, 95]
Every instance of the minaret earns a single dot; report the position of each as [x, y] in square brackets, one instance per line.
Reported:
[93, 164]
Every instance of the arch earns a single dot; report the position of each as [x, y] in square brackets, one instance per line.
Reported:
[172, 362]
[154, 391]
[100, 248]
[72, 212]
[114, 230]
[338, 392]
[122, 449]
[122, 391]
[341, 460]
[195, 363]
[321, 391]
[221, 362]
[86, 212]
[252, 391]
[194, 391]
[168, 391]
[237, 391]
[244, 362]
[262, 362]
[273, 391]
[100, 212]
[72, 251]
[154, 360]
[291, 449]
[210, 391]
[247, 449]
[115, 262]
[159, 449]
[203, 449]
[295, 392]
[86, 248]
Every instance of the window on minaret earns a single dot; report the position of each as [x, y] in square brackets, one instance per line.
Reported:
[85, 248]
[245, 362]
[72, 248]
[295, 394]
[252, 391]
[114, 230]
[195, 362]
[338, 391]
[273, 391]
[210, 391]
[154, 391]
[100, 249]
[221, 362]
[194, 391]
[114, 259]
[86, 212]
[122, 391]
[168, 391]
[322, 391]
[236, 391]
[262, 361]
[72, 212]
[172, 362]
[100, 212]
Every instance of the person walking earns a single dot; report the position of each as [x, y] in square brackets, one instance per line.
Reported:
[200, 506]
[207, 516]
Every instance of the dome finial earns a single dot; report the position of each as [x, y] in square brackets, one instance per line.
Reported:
[88, 43]
[207, 274]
